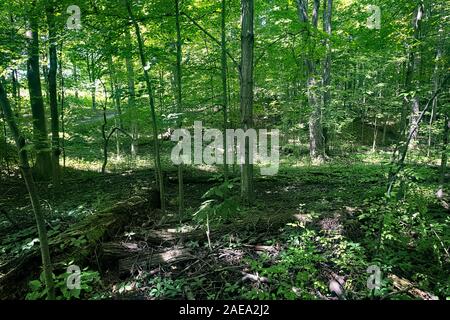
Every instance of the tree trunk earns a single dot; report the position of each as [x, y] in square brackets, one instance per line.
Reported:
[115, 90]
[375, 135]
[52, 84]
[326, 81]
[29, 182]
[43, 165]
[179, 105]
[5, 141]
[224, 68]
[116, 98]
[246, 75]
[92, 78]
[412, 66]
[131, 92]
[145, 66]
[444, 157]
[75, 78]
[316, 145]
[16, 91]
[436, 77]
[62, 101]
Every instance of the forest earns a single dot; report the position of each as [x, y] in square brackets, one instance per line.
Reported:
[224, 150]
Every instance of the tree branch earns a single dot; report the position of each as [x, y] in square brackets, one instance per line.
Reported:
[212, 38]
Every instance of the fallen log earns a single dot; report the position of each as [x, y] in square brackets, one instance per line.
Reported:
[404, 285]
[147, 259]
[127, 257]
[264, 224]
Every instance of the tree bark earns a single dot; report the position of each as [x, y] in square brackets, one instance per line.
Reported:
[75, 78]
[224, 68]
[115, 88]
[52, 87]
[436, 77]
[62, 101]
[411, 68]
[43, 165]
[131, 92]
[179, 104]
[246, 99]
[92, 78]
[326, 80]
[316, 145]
[444, 157]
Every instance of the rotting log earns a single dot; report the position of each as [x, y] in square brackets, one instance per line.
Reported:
[148, 259]
[127, 257]
[404, 285]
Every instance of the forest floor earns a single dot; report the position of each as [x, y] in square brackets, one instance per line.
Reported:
[310, 226]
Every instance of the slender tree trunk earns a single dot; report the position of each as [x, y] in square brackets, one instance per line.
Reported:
[16, 91]
[75, 78]
[92, 79]
[179, 105]
[316, 145]
[115, 88]
[5, 141]
[116, 98]
[444, 157]
[412, 66]
[413, 126]
[45, 76]
[43, 165]
[104, 135]
[161, 90]
[326, 81]
[246, 75]
[211, 75]
[436, 77]
[145, 66]
[62, 101]
[33, 193]
[375, 135]
[52, 87]
[224, 68]
[131, 92]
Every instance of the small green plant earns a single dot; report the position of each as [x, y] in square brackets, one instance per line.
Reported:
[166, 287]
[87, 280]
[220, 204]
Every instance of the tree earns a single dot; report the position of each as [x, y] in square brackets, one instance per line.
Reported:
[179, 104]
[52, 83]
[326, 79]
[32, 191]
[224, 68]
[148, 83]
[246, 96]
[43, 166]
[131, 91]
[412, 66]
[316, 143]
